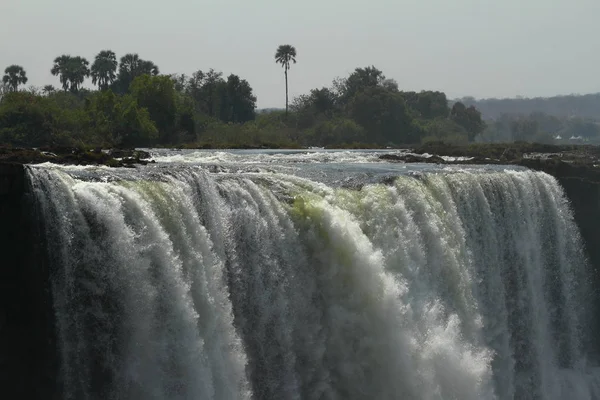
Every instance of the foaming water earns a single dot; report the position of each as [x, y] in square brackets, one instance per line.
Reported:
[176, 283]
[267, 156]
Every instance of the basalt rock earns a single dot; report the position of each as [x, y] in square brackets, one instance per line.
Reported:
[73, 156]
[28, 359]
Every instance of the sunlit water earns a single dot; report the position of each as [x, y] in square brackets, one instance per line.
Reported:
[315, 275]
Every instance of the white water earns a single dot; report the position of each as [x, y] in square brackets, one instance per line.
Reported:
[175, 283]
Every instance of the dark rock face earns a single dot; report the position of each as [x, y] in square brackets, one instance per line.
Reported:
[28, 368]
[582, 187]
[74, 156]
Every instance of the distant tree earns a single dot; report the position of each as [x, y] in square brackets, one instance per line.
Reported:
[581, 127]
[211, 83]
[119, 120]
[240, 102]
[427, 104]
[60, 68]
[48, 90]
[104, 69]
[157, 95]
[319, 103]
[384, 116]
[194, 84]
[444, 129]
[390, 84]
[331, 132]
[14, 75]
[323, 100]
[284, 55]
[79, 70]
[132, 66]
[25, 120]
[180, 82]
[362, 79]
[72, 71]
[469, 118]
[4, 89]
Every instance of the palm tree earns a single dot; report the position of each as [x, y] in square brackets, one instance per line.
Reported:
[104, 69]
[14, 76]
[60, 68]
[78, 71]
[131, 67]
[48, 90]
[285, 53]
[148, 67]
[71, 70]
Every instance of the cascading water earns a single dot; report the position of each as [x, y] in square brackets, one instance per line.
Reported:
[171, 282]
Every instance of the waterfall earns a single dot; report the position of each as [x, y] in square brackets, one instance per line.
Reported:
[177, 283]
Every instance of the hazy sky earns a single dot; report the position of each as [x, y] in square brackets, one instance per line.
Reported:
[483, 48]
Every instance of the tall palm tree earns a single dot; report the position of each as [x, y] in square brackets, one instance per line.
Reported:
[104, 69]
[71, 70]
[284, 55]
[14, 76]
[78, 71]
[60, 68]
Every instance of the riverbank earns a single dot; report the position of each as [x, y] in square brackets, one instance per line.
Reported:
[74, 156]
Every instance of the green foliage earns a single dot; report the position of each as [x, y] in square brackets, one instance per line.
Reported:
[427, 104]
[360, 80]
[157, 95]
[209, 91]
[135, 106]
[119, 120]
[583, 106]
[48, 90]
[541, 128]
[238, 103]
[25, 119]
[383, 114]
[72, 71]
[469, 118]
[104, 69]
[335, 132]
[14, 75]
[444, 129]
[130, 67]
[285, 55]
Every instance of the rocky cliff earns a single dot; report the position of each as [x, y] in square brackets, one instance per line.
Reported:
[27, 350]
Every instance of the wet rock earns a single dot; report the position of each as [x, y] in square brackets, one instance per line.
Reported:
[412, 158]
[129, 153]
[73, 156]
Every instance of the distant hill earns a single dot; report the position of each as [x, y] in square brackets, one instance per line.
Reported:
[583, 106]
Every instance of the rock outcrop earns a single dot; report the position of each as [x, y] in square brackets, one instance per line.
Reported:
[27, 349]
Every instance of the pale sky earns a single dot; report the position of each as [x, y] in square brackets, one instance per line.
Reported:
[482, 48]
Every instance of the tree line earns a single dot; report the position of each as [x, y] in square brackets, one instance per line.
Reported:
[585, 106]
[541, 128]
[558, 119]
[135, 105]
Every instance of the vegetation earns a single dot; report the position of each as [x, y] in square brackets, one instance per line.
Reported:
[104, 69]
[72, 71]
[134, 105]
[584, 106]
[542, 128]
[284, 55]
[14, 75]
